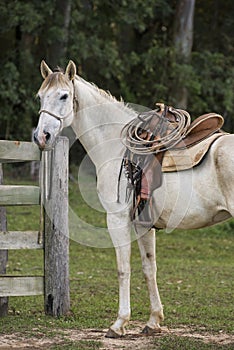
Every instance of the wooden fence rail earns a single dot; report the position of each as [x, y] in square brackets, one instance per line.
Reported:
[51, 197]
[3, 253]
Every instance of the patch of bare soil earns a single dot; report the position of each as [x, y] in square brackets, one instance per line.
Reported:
[133, 340]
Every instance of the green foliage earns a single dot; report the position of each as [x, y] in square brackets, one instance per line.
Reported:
[215, 83]
[125, 40]
[123, 46]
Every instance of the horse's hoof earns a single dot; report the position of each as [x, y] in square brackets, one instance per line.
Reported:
[151, 331]
[112, 334]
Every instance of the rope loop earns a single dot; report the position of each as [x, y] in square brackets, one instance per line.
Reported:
[156, 131]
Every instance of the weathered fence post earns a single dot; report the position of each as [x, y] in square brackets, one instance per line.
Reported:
[3, 253]
[54, 173]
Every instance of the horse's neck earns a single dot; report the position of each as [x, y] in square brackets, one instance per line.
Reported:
[99, 121]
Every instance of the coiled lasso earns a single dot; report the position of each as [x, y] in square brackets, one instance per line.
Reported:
[156, 131]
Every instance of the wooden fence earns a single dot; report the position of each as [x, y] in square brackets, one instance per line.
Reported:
[51, 197]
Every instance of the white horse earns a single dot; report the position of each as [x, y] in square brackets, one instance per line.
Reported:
[189, 199]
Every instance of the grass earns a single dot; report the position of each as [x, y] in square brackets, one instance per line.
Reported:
[195, 278]
[180, 343]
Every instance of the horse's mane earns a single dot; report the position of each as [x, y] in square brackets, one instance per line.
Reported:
[102, 92]
[58, 78]
[108, 96]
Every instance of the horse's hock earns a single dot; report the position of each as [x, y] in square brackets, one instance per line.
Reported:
[51, 197]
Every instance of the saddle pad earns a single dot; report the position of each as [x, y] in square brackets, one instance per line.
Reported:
[183, 159]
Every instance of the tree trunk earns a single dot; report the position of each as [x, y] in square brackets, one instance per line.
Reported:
[58, 48]
[183, 42]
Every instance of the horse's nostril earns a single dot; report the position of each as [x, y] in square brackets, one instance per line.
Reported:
[47, 136]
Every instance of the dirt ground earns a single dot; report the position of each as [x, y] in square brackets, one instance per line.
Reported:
[134, 340]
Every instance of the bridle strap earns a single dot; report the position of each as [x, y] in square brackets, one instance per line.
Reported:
[54, 115]
[61, 119]
[58, 117]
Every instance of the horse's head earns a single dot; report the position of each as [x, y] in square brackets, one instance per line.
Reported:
[57, 104]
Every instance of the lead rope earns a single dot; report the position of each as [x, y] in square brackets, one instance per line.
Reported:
[45, 187]
[42, 193]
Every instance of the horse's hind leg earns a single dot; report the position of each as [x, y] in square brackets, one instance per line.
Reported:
[147, 245]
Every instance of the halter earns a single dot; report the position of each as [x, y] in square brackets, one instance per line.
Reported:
[58, 117]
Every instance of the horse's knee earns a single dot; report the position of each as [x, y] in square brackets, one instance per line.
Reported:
[122, 275]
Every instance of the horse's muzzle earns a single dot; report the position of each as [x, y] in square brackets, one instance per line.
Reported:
[42, 139]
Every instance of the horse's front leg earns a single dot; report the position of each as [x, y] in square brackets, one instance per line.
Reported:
[147, 245]
[120, 235]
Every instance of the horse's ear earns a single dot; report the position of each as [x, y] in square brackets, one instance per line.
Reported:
[45, 70]
[71, 70]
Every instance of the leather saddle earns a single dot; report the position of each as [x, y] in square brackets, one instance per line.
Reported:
[200, 129]
[187, 152]
[185, 149]
[192, 133]
[193, 147]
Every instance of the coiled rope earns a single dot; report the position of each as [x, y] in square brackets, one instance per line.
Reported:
[156, 131]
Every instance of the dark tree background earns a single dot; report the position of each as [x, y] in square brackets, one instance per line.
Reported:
[179, 52]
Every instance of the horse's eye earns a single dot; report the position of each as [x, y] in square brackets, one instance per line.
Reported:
[64, 97]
